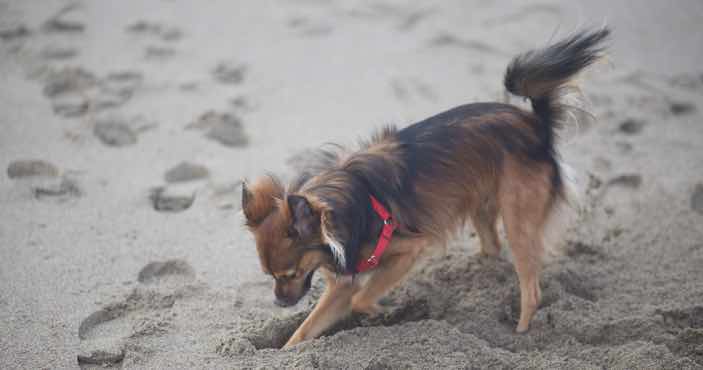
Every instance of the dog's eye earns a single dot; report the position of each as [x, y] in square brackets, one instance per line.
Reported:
[287, 276]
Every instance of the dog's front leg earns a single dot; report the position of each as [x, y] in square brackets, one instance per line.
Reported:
[388, 275]
[334, 304]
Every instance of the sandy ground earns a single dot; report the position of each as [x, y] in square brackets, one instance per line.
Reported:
[127, 126]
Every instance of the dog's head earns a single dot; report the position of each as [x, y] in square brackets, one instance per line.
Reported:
[289, 240]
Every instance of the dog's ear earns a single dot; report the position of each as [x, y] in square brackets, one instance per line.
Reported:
[304, 219]
[259, 200]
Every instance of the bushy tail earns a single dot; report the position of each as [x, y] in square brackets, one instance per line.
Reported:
[544, 75]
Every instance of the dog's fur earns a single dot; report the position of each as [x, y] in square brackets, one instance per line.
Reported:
[475, 161]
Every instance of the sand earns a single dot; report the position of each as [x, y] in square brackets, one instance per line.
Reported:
[128, 126]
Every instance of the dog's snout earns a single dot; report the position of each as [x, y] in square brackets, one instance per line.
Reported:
[283, 302]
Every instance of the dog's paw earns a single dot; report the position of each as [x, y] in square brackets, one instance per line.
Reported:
[295, 339]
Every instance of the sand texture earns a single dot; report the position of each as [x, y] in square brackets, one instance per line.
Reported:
[128, 126]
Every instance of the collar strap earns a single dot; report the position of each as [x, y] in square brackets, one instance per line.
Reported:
[384, 239]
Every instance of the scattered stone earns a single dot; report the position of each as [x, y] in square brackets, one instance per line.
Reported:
[166, 201]
[631, 126]
[229, 74]
[681, 108]
[697, 199]
[186, 171]
[31, 168]
[114, 132]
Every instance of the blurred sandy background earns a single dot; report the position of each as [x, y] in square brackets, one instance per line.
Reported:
[127, 127]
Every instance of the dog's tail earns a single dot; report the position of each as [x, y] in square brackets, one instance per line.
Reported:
[545, 76]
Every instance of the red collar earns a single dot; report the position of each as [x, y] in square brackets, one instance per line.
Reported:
[383, 240]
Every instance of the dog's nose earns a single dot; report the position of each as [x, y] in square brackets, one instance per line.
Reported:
[282, 302]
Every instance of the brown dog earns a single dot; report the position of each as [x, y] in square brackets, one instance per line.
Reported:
[475, 161]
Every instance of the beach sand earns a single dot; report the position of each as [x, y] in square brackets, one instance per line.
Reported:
[127, 127]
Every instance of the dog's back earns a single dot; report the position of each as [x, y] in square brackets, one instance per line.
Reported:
[474, 159]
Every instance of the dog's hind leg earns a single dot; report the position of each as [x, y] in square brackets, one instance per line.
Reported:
[334, 304]
[526, 198]
[391, 271]
[484, 219]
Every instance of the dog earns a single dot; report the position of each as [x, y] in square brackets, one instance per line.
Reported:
[363, 218]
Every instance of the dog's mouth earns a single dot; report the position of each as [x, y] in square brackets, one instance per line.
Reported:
[291, 301]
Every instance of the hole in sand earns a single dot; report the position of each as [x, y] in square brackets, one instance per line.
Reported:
[275, 332]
